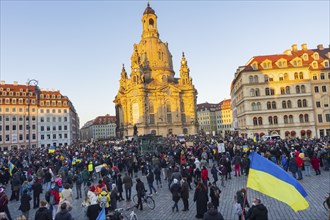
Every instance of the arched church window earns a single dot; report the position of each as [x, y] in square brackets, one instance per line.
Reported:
[151, 23]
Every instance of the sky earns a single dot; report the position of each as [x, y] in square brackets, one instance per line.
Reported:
[78, 47]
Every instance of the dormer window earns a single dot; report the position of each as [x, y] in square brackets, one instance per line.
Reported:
[254, 66]
[281, 63]
[267, 65]
[314, 65]
[316, 56]
[296, 62]
[326, 63]
[305, 57]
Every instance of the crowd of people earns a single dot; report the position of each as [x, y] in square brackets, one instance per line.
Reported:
[103, 173]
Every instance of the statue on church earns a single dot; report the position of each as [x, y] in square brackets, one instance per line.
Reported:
[135, 132]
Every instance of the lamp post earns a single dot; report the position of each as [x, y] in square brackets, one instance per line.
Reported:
[34, 83]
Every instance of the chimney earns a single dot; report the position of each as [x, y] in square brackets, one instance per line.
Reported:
[2, 82]
[15, 83]
[294, 47]
[320, 47]
[304, 46]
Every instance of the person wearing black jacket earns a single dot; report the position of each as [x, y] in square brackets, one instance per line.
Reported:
[212, 213]
[176, 194]
[43, 212]
[37, 190]
[258, 211]
[93, 210]
[151, 179]
[140, 189]
[64, 214]
[25, 204]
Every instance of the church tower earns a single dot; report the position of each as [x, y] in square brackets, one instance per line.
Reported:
[152, 99]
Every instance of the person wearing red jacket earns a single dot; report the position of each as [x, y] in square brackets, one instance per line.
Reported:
[316, 164]
[300, 163]
[205, 176]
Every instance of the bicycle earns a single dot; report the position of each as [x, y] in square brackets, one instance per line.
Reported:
[146, 199]
[118, 214]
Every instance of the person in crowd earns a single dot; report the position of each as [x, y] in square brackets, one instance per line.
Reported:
[151, 179]
[205, 175]
[128, 184]
[214, 172]
[64, 214]
[4, 202]
[300, 164]
[113, 197]
[223, 174]
[104, 199]
[212, 213]
[43, 212]
[237, 164]
[54, 199]
[185, 194]
[157, 177]
[258, 211]
[93, 210]
[240, 194]
[140, 189]
[315, 161]
[37, 190]
[120, 187]
[25, 204]
[307, 165]
[214, 194]
[66, 194]
[176, 194]
[78, 179]
[293, 168]
[201, 198]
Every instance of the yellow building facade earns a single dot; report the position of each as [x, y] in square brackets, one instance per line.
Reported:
[151, 98]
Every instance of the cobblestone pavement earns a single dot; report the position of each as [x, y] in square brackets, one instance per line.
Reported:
[317, 188]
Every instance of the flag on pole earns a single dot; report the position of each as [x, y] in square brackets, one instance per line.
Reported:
[271, 180]
[51, 149]
[101, 215]
[11, 168]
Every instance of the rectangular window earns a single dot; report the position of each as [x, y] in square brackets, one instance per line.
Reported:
[319, 117]
[316, 89]
[48, 128]
[42, 137]
[54, 136]
[318, 104]
[65, 127]
[14, 128]
[327, 117]
[20, 127]
[42, 128]
[65, 135]
[7, 127]
[324, 88]
[20, 137]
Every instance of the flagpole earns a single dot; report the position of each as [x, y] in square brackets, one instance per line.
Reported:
[246, 190]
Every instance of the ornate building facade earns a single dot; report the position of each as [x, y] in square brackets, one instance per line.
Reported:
[53, 119]
[285, 94]
[151, 98]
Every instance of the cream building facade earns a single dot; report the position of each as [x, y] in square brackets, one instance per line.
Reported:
[285, 94]
[53, 119]
[151, 98]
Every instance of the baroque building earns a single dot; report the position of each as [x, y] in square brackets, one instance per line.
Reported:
[285, 94]
[151, 98]
[53, 119]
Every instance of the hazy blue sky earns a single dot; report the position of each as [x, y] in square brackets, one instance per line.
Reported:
[78, 47]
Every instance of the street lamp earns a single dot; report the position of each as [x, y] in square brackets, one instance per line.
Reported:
[34, 83]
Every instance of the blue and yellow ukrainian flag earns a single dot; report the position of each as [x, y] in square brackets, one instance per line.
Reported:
[101, 215]
[11, 168]
[51, 149]
[271, 180]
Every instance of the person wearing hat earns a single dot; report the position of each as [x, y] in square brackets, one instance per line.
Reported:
[43, 213]
[140, 189]
[212, 213]
[4, 202]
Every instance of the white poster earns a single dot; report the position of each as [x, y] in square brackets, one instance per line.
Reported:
[221, 148]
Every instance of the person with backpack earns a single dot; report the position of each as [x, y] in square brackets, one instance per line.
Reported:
[214, 194]
[54, 200]
[4, 202]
